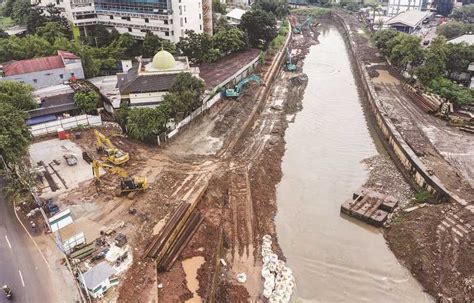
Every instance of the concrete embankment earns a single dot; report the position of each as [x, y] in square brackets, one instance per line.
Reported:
[398, 149]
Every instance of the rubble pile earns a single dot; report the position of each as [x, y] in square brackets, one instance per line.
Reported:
[279, 279]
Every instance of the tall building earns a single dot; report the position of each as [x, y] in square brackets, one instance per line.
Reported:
[394, 7]
[168, 19]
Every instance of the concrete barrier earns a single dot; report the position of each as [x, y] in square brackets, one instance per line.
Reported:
[400, 151]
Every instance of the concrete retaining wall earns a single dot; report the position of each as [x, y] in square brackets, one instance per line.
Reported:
[400, 151]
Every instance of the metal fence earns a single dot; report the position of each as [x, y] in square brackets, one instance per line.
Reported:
[66, 124]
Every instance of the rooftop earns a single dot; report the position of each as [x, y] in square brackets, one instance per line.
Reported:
[411, 18]
[133, 82]
[13, 68]
[54, 105]
[236, 13]
[469, 39]
[98, 274]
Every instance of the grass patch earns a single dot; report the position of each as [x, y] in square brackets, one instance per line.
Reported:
[281, 37]
[314, 11]
[423, 196]
[6, 22]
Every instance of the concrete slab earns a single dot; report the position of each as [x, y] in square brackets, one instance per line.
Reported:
[54, 149]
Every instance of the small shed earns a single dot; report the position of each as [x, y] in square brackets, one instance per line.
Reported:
[98, 279]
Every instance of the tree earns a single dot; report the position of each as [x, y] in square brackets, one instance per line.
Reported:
[187, 82]
[221, 24]
[451, 91]
[452, 29]
[35, 18]
[14, 135]
[435, 62]
[407, 52]
[384, 40]
[52, 31]
[195, 46]
[458, 57]
[7, 8]
[131, 47]
[20, 11]
[152, 44]
[31, 46]
[278, 8]
[260, 27]
[218, 7]
[3, 34]
[146, 124]
[17, 94]
[87, 100]
[444, 7]
[464, 13]
[229, 41]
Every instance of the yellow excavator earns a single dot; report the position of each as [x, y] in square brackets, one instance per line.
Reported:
[114, 155]
[129, 185]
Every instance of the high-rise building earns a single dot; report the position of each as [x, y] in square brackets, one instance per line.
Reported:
[168, 19]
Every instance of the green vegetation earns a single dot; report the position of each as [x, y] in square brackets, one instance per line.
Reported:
[282, 35]
[218, 7]
[14, 135]
[453, 29]
[278, 8]
[464, 13]
[6, 22]
[423, 196]
[435, 67]
[260, 27]
[87, 100]
[146, 124]
[204, 48]
[17, 94]
[314, 11]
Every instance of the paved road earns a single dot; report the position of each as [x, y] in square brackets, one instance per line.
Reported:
[21, 265]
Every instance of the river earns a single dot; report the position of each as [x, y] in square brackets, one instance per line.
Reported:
[334, 259]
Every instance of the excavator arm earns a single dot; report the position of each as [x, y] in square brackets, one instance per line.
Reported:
[114, 155]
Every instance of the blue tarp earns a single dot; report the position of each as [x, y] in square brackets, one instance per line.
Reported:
[40, 119]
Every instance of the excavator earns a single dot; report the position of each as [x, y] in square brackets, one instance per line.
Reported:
[129, 185]
[114, 155]
[290, 66]
[235, 92]
[299, 28]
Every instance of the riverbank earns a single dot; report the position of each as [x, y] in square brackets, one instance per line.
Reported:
[434, 241]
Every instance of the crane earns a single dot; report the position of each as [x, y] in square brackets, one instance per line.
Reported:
[114, 155]
[128, 184]
[290, 66]
[235, 92]
[299, 28]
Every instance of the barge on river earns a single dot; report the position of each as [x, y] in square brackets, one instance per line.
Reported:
[369, 206]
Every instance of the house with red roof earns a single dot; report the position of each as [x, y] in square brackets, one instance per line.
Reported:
[45, 71]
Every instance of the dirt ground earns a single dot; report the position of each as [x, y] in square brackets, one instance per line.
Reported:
[239, 203]
[434, 242]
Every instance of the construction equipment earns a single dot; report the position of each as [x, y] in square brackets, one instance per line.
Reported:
[114, 155]
[235, 92]
[299, 28]
[290, 66]
[129, 185]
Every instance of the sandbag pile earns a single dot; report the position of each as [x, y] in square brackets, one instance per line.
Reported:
[279, 280]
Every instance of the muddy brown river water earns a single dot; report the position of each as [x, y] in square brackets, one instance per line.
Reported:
[333, 258]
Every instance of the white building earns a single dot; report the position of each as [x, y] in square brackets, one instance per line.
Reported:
[45, 71]
[99, 279]
[235, 16]
[394, 7]
[149, 81]
[168, 19]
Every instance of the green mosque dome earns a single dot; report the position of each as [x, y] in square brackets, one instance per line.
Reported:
[163, 60]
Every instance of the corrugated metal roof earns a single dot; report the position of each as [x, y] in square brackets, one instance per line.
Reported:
[469, 39]
[32, 65]
[98, 274]
[132, 82]
[410, 18]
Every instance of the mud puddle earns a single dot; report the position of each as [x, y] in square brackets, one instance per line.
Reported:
[333, 259]
[191, 267]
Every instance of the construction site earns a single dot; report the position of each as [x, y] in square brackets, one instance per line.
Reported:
[193, 220]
